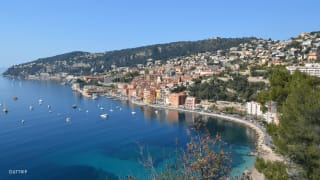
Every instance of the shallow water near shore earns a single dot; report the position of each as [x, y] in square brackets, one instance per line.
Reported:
[89, 147]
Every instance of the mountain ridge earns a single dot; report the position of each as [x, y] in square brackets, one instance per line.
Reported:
[80, 62]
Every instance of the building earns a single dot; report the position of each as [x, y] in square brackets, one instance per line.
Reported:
[254, 108]
[149, 95]
[313, 69]
[177, 99]
[190, 102]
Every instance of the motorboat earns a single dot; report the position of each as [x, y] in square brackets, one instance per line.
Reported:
[104, 116]
[68, 120]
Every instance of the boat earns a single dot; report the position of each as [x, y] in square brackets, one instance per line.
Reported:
[101, 108]
[68, 120]
[87, 111]
[0, 104]
[15, 98]
[5, 110]
[30, 108]
[111, 110]
[22, 121]
[133, 112]
[156, 111]
[104, 116]
[94, 97]
[74, 106]
[40, 101]
[49, 107]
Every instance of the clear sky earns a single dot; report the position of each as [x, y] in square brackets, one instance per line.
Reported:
[31, 29]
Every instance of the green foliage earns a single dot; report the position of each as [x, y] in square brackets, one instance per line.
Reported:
[272, 170]
[178, 89]
[128, 77]
[237, 89]
[297, 135]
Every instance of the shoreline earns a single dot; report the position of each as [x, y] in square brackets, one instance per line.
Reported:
[261, 147]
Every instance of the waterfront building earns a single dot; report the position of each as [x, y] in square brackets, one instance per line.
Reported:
[177, 99]
[190, 102]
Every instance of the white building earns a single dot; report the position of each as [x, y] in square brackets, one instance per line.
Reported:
[313, 69]
[254, 108]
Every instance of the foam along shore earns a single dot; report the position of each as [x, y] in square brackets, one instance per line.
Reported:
[261, 147]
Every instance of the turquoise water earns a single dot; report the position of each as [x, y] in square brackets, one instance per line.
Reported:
[45, 146]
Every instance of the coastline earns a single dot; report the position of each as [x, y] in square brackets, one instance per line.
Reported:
[262, 149]
[261, 146]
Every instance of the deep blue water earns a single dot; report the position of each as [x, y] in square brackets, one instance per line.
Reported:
[89, 147]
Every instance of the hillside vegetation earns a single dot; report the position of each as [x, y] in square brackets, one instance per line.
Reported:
[86, 63]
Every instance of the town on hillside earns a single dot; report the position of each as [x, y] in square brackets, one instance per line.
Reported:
[225, 80]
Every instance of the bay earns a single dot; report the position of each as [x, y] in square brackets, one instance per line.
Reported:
[42, 144]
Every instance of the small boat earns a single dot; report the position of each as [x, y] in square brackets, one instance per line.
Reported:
[104, 116]
[74, 106]
[0, 104]
[133, 112]
[68, 120]
[101, 108]
[50, 111]
[49, 107]
[94, 97]
[40, 101]
[156, 111]
[15, 98]
[87, 111]
[30, 108]
[22, 121]
[5, 110]
[111, 110]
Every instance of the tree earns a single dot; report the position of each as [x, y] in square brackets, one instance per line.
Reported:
[297, 136]
[203, 158]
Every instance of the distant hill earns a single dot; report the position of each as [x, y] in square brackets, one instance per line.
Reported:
[86, 63]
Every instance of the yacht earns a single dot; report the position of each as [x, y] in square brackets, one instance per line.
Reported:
[104, 116]
[74, 106]
[40, 101]
[68, 120]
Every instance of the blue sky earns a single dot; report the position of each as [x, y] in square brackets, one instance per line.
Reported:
[40, 28]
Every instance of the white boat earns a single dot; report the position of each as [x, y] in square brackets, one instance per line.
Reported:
[22, 121]
[68, 120]
[30, 108]
[49, 107]
[111, 110]
[94, 97]
[133, 112]
[101, 108]
[156, 111]
[87, 111]
[40, 101]
[104, 116]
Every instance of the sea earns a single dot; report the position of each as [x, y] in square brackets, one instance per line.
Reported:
[51, 132]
